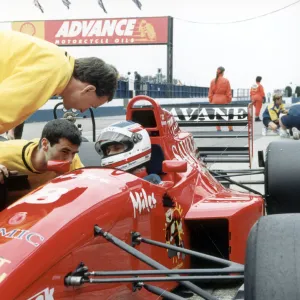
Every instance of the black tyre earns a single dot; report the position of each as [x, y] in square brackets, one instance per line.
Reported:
[282, 173]
[272, 268]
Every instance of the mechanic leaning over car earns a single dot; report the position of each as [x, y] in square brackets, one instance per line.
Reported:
[220, 91]
[33, 70]
[126, 146]
[60, 140]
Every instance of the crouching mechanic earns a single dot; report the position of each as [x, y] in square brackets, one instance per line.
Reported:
[60, 140]
[126, 146]
[291, 121]
[272, 113]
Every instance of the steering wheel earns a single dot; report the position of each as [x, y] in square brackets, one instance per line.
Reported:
[72, 116]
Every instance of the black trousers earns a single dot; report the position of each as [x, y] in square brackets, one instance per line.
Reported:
[19, 131]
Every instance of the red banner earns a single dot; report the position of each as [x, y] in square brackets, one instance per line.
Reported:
[124, 31]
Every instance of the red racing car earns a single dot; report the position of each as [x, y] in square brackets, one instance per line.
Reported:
[100, 233]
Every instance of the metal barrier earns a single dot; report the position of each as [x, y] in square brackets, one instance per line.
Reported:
[156, 90]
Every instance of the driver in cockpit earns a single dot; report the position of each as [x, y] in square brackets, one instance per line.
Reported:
[126, 146]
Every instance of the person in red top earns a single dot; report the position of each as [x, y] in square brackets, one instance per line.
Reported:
[220, 91]
[257, 95]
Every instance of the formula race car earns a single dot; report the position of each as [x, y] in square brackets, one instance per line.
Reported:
[100, 233]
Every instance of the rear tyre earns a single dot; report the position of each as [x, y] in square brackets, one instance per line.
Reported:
[282, 172]
[272, 259]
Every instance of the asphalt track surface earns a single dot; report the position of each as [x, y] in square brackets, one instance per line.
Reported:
[221, 291]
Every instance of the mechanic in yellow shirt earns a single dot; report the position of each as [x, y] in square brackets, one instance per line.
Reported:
[33, 70]
[272, 113]
[60, 140]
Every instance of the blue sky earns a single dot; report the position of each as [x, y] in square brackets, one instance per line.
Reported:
[267, 46]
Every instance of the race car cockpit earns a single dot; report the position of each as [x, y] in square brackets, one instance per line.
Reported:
[146, 117]
[168, 142]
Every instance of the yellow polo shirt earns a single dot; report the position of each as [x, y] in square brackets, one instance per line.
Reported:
[16, 155]
[31, 71]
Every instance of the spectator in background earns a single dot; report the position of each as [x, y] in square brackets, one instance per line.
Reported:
[220, 91]
[257, 95]
[130, 84]
[291, 121]
[159, 77]
[137, 83]
[127, 77]
[272, 113]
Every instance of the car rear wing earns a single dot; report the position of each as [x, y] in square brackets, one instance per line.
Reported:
[238, 115]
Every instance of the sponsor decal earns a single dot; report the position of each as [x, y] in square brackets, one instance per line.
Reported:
[33, 28]
[32, 238]
[3, 261]
[173, 125]
[209, 114]
[18, 218]
[114, 31]
[184, 150]
[174, 231]
[46, 294]
[141, 201]
[43, 196]
[47, 195]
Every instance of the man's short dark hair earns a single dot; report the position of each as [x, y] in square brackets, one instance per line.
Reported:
[258, 79]
[61, 129]
[98, 73]
[276, 97]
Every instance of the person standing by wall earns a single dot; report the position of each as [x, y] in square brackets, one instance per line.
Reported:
[137, 83]
[257, 95]
[220, 91]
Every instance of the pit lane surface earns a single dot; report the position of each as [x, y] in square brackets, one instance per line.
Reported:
[224, 292]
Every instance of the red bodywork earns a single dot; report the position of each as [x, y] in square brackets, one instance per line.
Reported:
[46, 234]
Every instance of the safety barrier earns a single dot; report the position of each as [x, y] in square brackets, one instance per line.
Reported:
[156, 90]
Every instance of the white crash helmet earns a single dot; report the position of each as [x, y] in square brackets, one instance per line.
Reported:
[137, 145]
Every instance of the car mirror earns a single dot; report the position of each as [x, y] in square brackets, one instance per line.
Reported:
[174, 166]
[58, 166]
